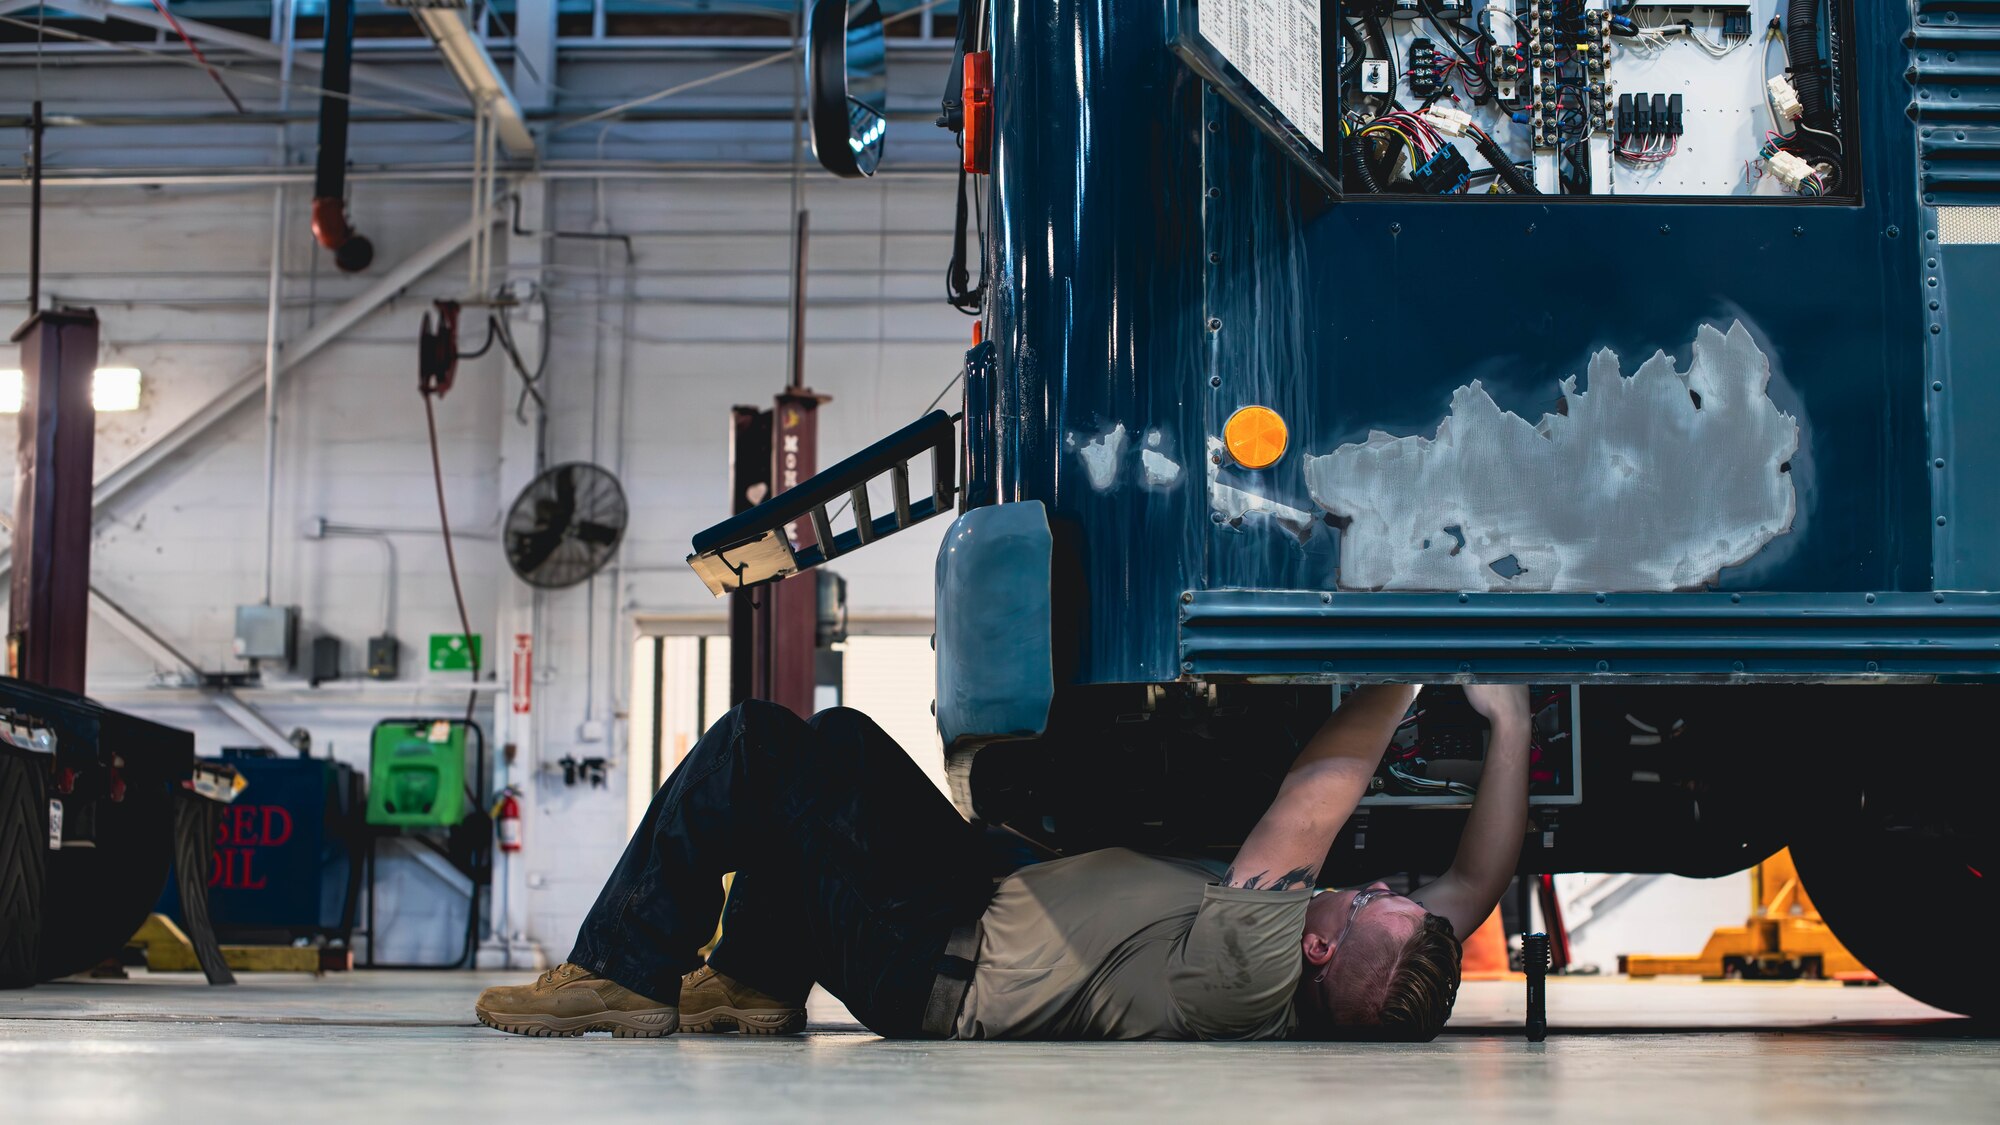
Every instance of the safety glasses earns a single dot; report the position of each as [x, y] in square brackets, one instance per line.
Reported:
[1361, 900]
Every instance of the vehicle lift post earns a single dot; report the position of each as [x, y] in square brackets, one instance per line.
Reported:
[773, 633]
[50, 595]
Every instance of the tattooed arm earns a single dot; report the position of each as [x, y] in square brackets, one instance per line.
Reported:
[1327, 781]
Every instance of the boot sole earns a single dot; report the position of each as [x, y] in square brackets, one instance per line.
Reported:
[763, 1021]
[652, 1024]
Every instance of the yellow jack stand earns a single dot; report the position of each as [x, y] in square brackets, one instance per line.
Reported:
[168, 950]
[1784, 939]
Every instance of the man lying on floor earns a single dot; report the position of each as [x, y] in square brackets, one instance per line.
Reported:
[853, 872]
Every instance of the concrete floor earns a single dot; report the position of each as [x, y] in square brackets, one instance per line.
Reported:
[384, 1048]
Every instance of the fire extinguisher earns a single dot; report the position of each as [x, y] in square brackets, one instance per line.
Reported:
[507, 819]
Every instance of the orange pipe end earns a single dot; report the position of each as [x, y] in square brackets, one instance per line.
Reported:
[329, 222]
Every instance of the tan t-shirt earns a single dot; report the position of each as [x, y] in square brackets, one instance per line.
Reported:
[1114, 944]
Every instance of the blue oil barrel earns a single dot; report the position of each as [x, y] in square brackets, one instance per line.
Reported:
[284, 849]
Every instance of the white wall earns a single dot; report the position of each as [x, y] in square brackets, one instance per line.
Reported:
[178, 279]
[893, 680]
[1663, 914]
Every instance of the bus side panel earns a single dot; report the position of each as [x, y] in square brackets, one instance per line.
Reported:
[1159, 265]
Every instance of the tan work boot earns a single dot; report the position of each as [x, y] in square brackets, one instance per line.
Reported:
[570, 1000]
[714, 1003]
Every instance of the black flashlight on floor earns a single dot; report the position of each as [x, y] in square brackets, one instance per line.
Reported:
[1535, 963]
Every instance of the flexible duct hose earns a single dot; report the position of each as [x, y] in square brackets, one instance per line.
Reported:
[351, 251]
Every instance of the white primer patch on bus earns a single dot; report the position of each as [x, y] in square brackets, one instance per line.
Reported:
[1233, 504]
[1652, 482]
[1100, 457]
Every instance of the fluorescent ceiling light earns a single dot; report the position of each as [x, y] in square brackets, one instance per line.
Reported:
[465, 56]
[111, 389]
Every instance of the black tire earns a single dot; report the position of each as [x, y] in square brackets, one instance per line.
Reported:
[24, 846]
[98, 896]
[1896, 897]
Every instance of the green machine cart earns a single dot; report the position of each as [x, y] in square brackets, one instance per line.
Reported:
[416, 771]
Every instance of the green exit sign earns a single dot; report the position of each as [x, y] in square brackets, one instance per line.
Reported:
[451, 653]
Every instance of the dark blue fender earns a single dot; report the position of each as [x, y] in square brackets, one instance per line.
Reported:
[995, 670]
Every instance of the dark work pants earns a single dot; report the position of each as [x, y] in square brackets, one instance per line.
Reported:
[851, 869]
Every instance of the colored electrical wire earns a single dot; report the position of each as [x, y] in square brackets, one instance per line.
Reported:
[200, 58]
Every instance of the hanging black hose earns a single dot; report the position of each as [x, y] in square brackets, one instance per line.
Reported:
[352, 251]
[959, 291]
[1517, 180]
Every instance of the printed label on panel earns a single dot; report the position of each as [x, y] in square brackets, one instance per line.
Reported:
[1276, 44]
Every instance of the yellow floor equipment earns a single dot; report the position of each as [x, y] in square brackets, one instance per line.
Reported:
[1784, 939]
[168, 950]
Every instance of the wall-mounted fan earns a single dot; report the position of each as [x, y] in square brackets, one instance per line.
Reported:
[565, 525]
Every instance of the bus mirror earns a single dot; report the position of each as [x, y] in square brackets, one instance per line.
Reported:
[847, 84]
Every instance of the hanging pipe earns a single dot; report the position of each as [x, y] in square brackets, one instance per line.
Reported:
[35, 213]
[351, 251]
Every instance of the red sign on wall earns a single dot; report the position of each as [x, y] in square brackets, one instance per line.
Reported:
[521, 691]
[244, 830]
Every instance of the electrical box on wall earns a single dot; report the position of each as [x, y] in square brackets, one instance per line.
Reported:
[325, 660]
[384, 653]
[267, 632]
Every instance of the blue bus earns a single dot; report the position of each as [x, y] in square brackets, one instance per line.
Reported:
[1608, 347]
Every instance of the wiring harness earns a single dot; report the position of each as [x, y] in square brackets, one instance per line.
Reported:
[1398, 149]
[1544, 65]
[1803, 150]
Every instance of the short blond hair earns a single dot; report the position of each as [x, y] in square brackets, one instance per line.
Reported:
[1394, 990]
[1425, 984]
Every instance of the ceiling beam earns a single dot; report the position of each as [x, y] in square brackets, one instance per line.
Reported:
[465, 56]
[101, 10]
[535, 54]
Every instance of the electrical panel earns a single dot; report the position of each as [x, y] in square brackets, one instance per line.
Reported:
[383, 654]
[1597, 98]
[1439, 751]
